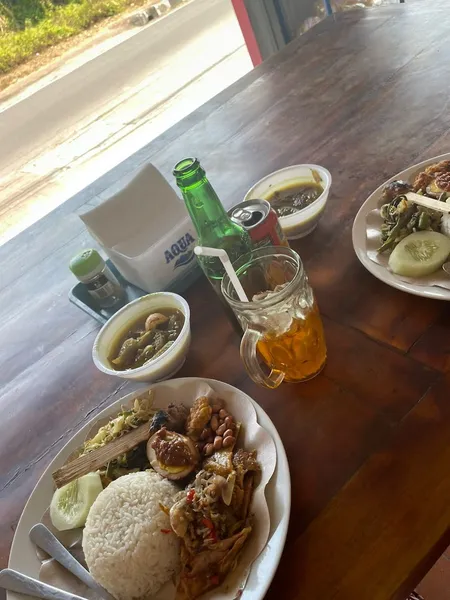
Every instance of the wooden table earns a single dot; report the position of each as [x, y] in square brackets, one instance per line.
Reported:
[364, 94]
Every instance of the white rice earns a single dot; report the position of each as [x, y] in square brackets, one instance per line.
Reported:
[125, 549]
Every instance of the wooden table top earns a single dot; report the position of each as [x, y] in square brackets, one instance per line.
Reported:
[365, 94]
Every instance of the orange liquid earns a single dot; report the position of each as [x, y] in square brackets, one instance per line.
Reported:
[300, 352]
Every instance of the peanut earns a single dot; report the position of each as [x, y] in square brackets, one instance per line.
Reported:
[214, 423]
[228, 441]
[221, 429]
[223, 413]
[209, 449]
[228, 433]
[216, 405]
[229, 422]
[217, 442]
[205, 433]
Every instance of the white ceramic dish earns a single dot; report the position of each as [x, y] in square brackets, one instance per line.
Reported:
[360, 243]
[23, 556]
[164, 366]
[303, 221]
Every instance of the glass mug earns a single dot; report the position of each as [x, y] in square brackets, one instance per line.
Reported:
[281, 322]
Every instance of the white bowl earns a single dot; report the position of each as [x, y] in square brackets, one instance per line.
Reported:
[305, 220]
[162, 367]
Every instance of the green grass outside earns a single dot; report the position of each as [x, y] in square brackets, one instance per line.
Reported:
[30, 26]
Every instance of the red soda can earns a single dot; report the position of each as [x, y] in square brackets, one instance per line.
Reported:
[261, 221]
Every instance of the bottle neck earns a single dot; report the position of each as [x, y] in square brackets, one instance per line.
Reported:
[204, 206]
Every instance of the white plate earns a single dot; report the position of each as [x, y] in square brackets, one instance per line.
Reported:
[359, 237]
[23, 556]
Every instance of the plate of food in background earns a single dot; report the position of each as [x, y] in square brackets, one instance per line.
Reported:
[401, 233]
[193, 499]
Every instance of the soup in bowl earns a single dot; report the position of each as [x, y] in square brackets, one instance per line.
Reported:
[146, 340]
[298, 195]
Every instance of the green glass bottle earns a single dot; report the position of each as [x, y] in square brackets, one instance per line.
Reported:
[211, 221]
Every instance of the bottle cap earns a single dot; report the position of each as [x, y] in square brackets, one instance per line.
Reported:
[86, 264]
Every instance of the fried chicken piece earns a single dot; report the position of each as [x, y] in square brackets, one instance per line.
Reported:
[437, 168]
[220, 463]
[199, 416]
[443, 182]
[433, 172]
[246, 460]
[422, 181]
[230, 561]
[207, 570]
[245, 466]
[202, 561]
[237, 501]
[248, 494]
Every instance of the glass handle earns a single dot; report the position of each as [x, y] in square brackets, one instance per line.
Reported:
[271, 379]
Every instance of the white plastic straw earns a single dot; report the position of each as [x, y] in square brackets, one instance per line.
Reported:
[222, 254]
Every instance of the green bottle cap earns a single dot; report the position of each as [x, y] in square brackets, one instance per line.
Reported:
[86, 263]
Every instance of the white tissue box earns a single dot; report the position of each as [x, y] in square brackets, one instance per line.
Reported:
[146, 231]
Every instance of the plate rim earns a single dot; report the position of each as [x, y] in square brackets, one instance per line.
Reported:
[281, 463]
[359, 226]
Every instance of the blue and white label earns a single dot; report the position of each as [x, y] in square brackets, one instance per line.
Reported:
[181, 251]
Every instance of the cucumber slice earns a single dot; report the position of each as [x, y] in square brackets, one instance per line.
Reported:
[420, 254]
[70, 504]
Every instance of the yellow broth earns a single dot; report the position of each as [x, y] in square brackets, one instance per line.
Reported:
[293, 197]
[134, 346]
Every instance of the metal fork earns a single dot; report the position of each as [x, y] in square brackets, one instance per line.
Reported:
[44, 539]
[14, 581]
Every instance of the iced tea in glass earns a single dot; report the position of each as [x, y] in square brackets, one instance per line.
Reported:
[283, 333]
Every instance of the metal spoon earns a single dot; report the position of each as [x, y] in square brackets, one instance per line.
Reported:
[44, 539]
[14, 581]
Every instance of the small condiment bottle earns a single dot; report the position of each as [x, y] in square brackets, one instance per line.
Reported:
[90, 268]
